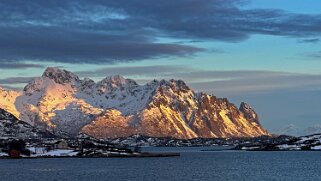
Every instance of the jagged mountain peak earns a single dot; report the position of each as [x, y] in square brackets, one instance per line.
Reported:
[172, 84]
[117, 80]
[55, 80]
[245, 106]
[171, 81]
[249, 112]
[60, 76]
[112, 83]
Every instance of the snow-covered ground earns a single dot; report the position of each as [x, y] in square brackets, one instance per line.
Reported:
[310, 142]
[40, 151]
[59, 152]
[316, 147]
[3, 154]
[289, 147]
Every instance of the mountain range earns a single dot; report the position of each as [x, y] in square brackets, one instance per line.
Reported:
[60, 102]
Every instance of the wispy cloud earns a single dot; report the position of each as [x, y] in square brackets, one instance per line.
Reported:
[310, 40]
[92, 31]
[155, 71]
[4, 65]
[7, 87]
[16, 80]
[261, 83]
[313, 55]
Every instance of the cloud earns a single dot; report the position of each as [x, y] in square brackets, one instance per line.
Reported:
[4, 65]
[6, 87]
[311, 40]
[84, 47]
[16, 80]
[144, 71]
[256, 84]
[94, 31]
[217, 75]
[313, 55]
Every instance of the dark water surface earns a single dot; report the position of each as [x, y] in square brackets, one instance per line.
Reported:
[191, 165]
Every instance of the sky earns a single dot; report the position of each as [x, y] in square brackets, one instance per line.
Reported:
[264, 52]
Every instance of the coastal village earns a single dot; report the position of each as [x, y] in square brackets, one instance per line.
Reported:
[81, 146]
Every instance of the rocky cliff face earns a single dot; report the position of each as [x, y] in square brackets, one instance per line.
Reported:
[11, 127]
[249, 113]
[117, 107]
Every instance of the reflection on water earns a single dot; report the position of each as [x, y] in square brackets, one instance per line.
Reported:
[186, 149]
[191, 165]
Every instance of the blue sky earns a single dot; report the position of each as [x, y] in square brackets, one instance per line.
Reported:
[265, 52]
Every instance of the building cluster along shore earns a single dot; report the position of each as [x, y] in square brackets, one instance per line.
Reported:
[81, 146]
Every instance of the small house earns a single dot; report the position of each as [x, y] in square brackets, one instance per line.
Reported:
[62, 144]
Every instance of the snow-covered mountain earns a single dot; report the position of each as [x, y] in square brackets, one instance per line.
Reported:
[11, 127]
[117, 107]
[314, 129]
[294, 130]
[290, 129]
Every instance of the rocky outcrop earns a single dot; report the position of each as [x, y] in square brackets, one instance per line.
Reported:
[11, 127]
[249, 113]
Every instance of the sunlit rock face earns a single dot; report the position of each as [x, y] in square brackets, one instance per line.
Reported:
[7, 101]
[60, 101]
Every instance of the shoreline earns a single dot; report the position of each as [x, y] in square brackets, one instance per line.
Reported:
[134, 155]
